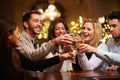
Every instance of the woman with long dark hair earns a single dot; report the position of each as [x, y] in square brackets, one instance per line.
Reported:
[8, 39]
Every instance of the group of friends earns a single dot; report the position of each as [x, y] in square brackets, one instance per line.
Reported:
[21, 54]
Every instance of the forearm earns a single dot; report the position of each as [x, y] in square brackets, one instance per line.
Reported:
[110, 57]
[43, 51]
[38, 64]
[35, 54]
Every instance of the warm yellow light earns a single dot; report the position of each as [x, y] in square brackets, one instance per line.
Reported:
[72, 22]
[80, 19]
[41, 10]
[45, 36]
[51, 12]
[101, 19]
[40, 36]
[51, 7]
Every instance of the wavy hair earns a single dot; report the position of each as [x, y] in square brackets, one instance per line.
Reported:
[51, 33]
[6, 28]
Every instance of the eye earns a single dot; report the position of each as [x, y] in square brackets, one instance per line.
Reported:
[88, 29]
[114, 26]
[63, 28]
[83, 28]
[41, 22]
[36, 20]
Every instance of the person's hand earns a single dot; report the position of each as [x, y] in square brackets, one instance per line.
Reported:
[77, 37]
[63, 40]
[67, 56]
[67, 48]
[110, 68]
[86, 48]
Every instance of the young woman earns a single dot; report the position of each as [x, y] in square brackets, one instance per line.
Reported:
[92, 34]
[108, 51]
[9, 36]
[58, 28]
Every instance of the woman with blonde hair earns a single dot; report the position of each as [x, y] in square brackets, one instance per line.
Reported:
[91, 34]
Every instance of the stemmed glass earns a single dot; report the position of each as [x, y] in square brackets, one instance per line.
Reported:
[73, 49]
[77, 40]
[75, 44]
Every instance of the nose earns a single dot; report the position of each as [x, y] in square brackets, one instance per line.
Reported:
[61, 31]
[40, 24]
[84, 31]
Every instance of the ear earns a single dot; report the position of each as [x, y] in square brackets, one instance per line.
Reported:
[25, 24]
[9, 37]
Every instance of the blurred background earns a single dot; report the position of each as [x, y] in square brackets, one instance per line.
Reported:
[72, 11]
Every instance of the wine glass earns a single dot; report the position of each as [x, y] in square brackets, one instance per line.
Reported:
[78, 42]
[73, 50]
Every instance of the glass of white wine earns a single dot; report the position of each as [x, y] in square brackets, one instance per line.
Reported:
[78, 42]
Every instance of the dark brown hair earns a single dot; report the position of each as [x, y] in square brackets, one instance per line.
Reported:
[27, 15]
[114, 15]
[51, 34]
[6, 28]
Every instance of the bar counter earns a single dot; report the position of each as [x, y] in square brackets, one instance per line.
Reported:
[77, 75]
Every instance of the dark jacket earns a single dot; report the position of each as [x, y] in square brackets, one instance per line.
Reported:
[7, 69]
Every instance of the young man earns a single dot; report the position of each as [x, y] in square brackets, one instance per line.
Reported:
[113, 44]
[32, 24]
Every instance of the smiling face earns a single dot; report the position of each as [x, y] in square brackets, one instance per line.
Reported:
[59, 29]
[14, 38]
[88, 32]
[34, 25]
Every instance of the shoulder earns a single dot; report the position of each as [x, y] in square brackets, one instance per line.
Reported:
[110, 42]
[24, 38]
[103, 46]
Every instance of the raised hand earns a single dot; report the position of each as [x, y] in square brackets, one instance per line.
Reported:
[63, 40]
[86, 48]
[67, 56]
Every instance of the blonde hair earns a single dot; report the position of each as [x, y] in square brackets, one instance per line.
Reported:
[97, 30]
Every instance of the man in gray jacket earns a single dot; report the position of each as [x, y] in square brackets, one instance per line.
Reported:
[32, 24]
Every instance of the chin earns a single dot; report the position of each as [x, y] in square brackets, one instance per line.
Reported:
[85, 39]
[16, 45]
[37, 32]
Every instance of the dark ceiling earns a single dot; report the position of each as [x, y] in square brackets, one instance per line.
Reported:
[72, 9]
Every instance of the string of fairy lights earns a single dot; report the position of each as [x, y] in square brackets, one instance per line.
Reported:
[105, 28]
